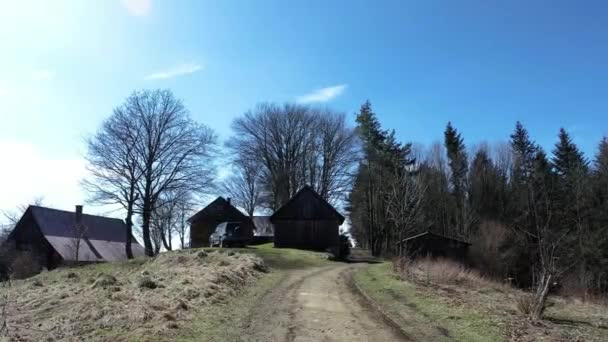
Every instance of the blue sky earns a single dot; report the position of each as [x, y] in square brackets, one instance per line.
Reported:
[481, 64]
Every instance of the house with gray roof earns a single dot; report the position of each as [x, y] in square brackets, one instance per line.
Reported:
[57, 236]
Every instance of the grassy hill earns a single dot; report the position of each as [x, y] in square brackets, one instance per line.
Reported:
[180, 295]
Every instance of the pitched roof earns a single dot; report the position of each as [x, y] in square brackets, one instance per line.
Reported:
[104, 237]
[217, 207]
[54, 222]
[263, 226]
[307, 204]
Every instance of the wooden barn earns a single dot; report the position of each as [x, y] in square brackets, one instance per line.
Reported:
[435, 246]
[307, 221]
[204, 222]
[51, 236]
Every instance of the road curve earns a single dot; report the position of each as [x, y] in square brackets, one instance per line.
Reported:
[317, 304]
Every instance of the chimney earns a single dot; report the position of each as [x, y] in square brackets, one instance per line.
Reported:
[78, 217]
[228, 200]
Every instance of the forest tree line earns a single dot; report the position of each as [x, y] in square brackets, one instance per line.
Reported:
[532, 216]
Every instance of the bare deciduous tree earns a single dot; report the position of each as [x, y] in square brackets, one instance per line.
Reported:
[405, 194]
[149, 147]
[244, 186]
[174, 153]
[112, 163]
[296, 145]
[79, 231]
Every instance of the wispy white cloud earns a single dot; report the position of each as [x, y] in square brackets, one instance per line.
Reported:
[180, 70]
[323, 94]
[42, 75]
[138, 7]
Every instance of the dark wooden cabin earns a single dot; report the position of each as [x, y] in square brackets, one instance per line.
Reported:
[307, 221]
[435, 246]
[50, 236]
[203, 223]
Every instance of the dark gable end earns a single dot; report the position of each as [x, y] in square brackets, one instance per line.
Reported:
[203, 223]
[219, 207]
[306, 204]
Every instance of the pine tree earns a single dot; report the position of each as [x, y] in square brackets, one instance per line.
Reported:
[524, 151]
[457, 161]
[568, 161]
[486, 190]
[598, 254]
[383, 156]
[571, 198]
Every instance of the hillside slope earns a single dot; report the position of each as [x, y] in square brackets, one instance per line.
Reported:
[142, 299]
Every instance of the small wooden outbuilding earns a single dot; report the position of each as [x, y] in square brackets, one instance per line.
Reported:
[307, 221]
[435, 246]
[204, 222]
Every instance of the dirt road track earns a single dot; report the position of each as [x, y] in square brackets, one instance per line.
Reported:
[317, 305]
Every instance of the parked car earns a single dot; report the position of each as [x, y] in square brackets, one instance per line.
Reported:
[229, 234]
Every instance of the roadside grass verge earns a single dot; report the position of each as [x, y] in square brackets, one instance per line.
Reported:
[440, 300]
[420, 314]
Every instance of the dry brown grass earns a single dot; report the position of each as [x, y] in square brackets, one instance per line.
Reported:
[444, 272]
[450, 283]
[142, 299]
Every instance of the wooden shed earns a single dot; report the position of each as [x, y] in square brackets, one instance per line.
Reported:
[307, 221]
[204, 222]
[434, 245]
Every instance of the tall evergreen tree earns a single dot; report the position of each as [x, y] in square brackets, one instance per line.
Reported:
[458, 162]
[598, 234]
[486, 189]
[382, 157]
[571, 198]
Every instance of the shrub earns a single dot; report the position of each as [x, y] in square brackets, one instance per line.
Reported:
[104, 280]
[260, 266]
[524, 303]
[441, 271]
[147, 283]
[24, 265]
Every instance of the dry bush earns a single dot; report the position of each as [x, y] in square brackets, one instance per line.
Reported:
[441, 271]
[147, 283]
[24, 265]
[488, 251]
[524, 303]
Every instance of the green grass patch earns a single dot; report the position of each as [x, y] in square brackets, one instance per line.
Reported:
[421, 314]
[282, 258]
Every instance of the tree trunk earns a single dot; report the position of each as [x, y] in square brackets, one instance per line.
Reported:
[540, 297]
[145, 228]
[129, 222]
[164, 239]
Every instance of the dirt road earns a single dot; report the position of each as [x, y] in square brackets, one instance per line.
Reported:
[317, 305]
